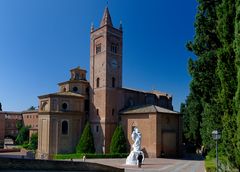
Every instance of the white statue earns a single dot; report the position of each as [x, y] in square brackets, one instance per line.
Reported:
[133, 156]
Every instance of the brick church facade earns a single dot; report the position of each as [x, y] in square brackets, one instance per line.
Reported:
[105, 104]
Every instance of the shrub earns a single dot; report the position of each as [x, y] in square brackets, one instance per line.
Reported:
[118, 142]
[89, 156]
[33, 142]
[23, 135]
[86, 143]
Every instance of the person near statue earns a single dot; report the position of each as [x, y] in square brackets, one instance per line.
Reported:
[140, 158]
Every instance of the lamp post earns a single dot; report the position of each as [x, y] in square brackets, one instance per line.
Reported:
[216, 136]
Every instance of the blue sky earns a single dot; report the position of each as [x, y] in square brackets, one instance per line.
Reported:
[41, 40]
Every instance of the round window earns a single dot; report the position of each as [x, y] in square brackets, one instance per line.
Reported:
[75, 89]
[64, 106]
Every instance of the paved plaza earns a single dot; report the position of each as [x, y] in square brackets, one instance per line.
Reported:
[149, 164]
[156, 165]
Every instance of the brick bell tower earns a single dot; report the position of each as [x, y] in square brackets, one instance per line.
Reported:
[105, 79]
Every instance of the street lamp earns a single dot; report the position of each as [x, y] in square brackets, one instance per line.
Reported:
[216, 136]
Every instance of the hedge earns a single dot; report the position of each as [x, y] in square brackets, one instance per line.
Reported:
[89, 156]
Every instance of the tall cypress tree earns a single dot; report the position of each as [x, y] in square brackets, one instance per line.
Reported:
[237, 96]
[227, 73]
[118, 142]
[204, 84]
[191, 120]
[86, 143]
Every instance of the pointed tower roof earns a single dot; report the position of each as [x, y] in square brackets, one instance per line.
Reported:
[106, 19]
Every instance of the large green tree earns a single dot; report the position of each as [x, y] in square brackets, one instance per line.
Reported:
[118, 142]
[33, 143]
[216, 76]
[191, 120]
[23, 135]
[226, 72]
[237, 96]
[86, 142]
[201, 103]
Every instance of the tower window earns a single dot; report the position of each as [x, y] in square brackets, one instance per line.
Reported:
[98, 82]
[97, 112]
[113, 112]
[64, 127]
[113, 82]
[75, 89]
[77, 77]
[98, 48]
[114, 48]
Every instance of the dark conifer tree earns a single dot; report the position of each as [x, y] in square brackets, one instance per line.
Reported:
[86, 142]
[226, 71]
[237, 96]
[118, 142]
[204, 84]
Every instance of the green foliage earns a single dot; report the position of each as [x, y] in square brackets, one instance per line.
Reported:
[86, 143]
[237, 96]
[214, 97]
[19, 125]
[89, 156]
[227, 74]
[198, 119]
[191, 119]
[210, 164]
[23, 135]
[118, 142]
[33, 144]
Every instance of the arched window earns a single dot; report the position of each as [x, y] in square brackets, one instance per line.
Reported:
[113, 112]
[113, 82]
[65, 127]
[98, 82]
[97, 111]
[64, 106]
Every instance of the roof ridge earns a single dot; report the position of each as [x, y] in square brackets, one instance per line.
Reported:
[155, 108]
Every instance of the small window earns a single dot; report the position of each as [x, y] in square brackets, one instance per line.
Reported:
[77, 77]
[75, 89]
[113, 82]
[64, 106]
[64, 127]
[98, 112]
[98, 48]
[113, 112]
[114, 48]
[98, 82]
[97, 128]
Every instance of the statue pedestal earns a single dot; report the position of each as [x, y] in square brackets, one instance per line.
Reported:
[132, 158]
